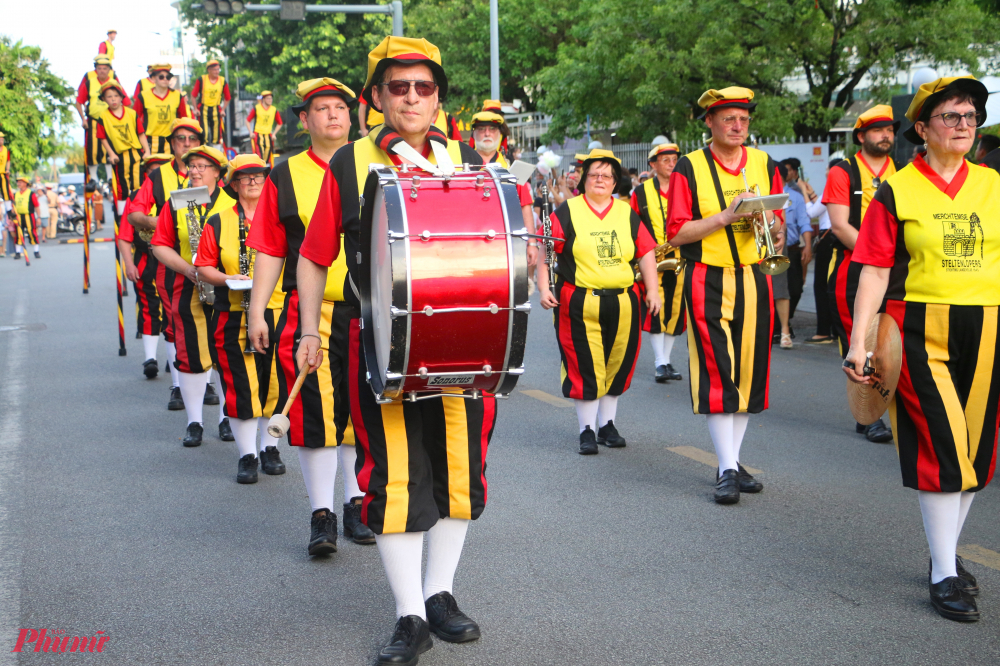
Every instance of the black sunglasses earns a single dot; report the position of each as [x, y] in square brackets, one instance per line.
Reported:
[401, 88]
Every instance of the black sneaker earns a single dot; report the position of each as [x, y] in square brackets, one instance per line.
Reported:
[353, 527]
[226, 431]
[194, 433]
[211, 397]
[588, 442]
[150, 368]
[448, 622]
[748, 484]
[410, 639]
[608, 435]
[246, 472]
[323, 540]
[176, 401]
[270, 461]
[727, 487]
[878, 433]
[673, 374]
[951, 601]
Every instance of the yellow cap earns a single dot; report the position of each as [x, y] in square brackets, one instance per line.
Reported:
[733, 96]
[404, 51]
[212, 63]
[212, 154]
[322, 87]
[927, 95]
[157, 158]
[185, 123]
[488, 117]
[668, 148]
[492, 105]
[266, 93]
[879, 115]
[109, 84]
[102, 60]
[600, 155]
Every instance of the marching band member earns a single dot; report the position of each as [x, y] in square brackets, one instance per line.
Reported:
[405, 80]
[143, 213]
[321, 429]
[25, 204]
[649, 201]
[6, 194]
[249, 384]
[728, 299]
[107, 47]
[597, 316]
[89, 93]
[158, 107]
[122, 134]
[140, 269]
[171, 246]
[263, 122]
[923, 248]
[212, 93]
[850, 186]
[145, 83]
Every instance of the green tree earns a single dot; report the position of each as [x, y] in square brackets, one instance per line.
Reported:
[34, 102]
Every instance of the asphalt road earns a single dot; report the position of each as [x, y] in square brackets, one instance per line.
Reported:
[107, 524]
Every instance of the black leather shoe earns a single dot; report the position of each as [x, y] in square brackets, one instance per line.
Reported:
[951, 601]
[270, 461]
[608, 435]
[971, 585]
[448, 622]
[176, 401]
[661, 374]
[673, 374]
[211, 397]
[354, 529]
[878, 433]
[150, 369]
[410, 639]
[588, 442]
[193, 436]
[748, 484]
[247, 470]
[860, 429]
[226, 431]
[727, 487]
[37, 255]
[323, 540]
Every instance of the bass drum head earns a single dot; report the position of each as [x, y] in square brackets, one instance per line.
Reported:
[380, 274]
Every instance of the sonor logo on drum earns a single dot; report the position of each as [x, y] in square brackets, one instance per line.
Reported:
[456, 380]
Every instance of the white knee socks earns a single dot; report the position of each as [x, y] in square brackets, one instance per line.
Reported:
[586, 413]
[348, 457]
[607, 408]
[668, 346]
[656, 344]
[444, 548]
[720, 426]
[265, 438]
[319, 471]
[222, 395]
[401, 554]
[740, 422]
[92, 171]
[171, 358]
[245, 433]
[944, 515]
[149, 345]
[193, 391]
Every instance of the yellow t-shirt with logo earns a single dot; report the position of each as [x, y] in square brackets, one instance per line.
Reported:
[160, 113]
[211, 93]
[598, 246]
[264, 119]
[121, 132]
[22, 202]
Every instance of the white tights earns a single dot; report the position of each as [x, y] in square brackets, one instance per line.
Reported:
[193, 392]
[944, 515]
[727, 432]
[596, 413]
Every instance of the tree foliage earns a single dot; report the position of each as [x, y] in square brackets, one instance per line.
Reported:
[33, 103]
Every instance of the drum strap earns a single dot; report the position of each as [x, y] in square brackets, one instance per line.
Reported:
[445, 165]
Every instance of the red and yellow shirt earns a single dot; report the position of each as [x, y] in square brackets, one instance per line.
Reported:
[266, 119]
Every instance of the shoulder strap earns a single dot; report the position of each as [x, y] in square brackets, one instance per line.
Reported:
[730, 234]
[854, 172]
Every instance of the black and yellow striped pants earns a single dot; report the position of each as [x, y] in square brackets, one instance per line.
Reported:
[730, 324]
[190, 319]
[149, 315]
[671, 319]
[93, 148]
[159, 144]
[213, 123]
[263, 147]
[26, 231]
[5, 192]
[127, 173]
[249, 381]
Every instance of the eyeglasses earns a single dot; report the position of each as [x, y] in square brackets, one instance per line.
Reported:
[401, 88]
[250, 179]
[199, 167]
[163, 77]
[730, 120]
[185, 138]
[600, 176]
[953, 119]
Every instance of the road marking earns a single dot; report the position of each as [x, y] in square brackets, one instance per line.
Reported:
[547, 397]
[705, 457]
[980, 555]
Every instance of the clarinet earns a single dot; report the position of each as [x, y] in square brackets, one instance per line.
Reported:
[550, 251]
[206, 292]
[246, 260]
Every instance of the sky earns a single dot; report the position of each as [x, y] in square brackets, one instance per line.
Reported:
[69, 32]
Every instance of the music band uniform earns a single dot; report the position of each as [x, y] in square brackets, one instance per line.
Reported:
[125, 133]
[25, 203]
[211, 98]
[89, 94]
[6, 193]
[265, 123]
[158, 113]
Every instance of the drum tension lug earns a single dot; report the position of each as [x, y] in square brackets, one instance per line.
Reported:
[486, 192]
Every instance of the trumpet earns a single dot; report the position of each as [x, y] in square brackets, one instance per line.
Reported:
[771, 262]
[665, 261]
[206, 292]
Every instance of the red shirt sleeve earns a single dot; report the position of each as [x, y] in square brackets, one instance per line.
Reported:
[208, 248]
[182, 109]
[102, 48]
[838, 187]
[679, 204]
[139, 127]
[644, 243]
[453, 132]
[137, 93]
[322, 242]
[557, 232]
[252, 114]
[125, 229]
[138, 106]
[143, 201]
[777, 187]
[277, 119]
[81, 93]
[101, 134]
[633, 201]
[165, 234]
[877, 239]
[524, 195]
[197, 88]
[267, 233]
[225, 91]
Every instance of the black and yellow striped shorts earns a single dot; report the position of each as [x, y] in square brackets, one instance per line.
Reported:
[190, 319]
[263, 147]
[249, 381]
[127, 173]
[5, 191]
[159, 144]
[671, 319]
[213, 123]
[730, 324]
[27, 232]
[93, 148]
[418, 461]
[945, 412]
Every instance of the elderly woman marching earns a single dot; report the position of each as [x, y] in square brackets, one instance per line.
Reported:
[597, 300]
[930, 245]
[248, 377]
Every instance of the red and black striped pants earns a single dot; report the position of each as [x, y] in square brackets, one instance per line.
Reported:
[148, 309]
[842, 288]
[249, 381]
[263, 147]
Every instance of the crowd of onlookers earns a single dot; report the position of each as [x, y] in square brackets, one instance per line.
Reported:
[55, 203]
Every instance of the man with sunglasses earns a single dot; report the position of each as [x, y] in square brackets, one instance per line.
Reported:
[158, 107]
[728, 298]
[850, 186]
[406, 495]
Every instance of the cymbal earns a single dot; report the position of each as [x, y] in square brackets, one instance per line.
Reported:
[869, 401]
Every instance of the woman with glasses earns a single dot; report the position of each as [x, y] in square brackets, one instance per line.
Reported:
[249, 381]
[930, 246]
[597, 300]
[158, 107]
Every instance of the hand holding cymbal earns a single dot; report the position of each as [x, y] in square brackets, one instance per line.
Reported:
[869, 400]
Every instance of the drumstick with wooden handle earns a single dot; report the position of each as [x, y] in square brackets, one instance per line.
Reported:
[277, 425]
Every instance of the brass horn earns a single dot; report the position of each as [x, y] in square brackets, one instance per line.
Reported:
[665, 261]
[771, 263]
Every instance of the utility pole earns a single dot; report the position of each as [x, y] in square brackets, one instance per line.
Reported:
[494, 49]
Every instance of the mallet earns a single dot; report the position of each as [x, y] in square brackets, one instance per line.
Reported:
[277, 425]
